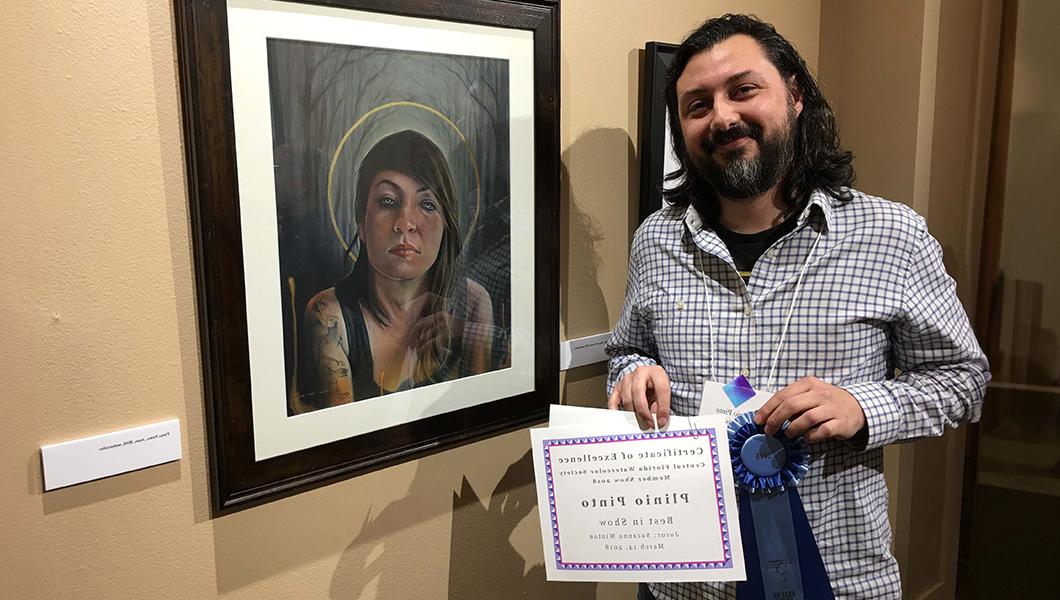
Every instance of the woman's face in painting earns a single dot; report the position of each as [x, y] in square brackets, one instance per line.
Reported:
[403, 226]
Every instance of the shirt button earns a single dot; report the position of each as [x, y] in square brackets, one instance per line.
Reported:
[771, 253]
[680, 305]
[747, 310]
[745, 372]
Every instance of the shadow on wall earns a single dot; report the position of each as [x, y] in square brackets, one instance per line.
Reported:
[606, 165]
[483, 560]
[475, 559]
[412, 531]
[1024, 358]
[606, 184]
[100, 490]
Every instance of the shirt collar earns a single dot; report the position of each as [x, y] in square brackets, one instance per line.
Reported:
[820, 199]
[693, 219]
[823, 201]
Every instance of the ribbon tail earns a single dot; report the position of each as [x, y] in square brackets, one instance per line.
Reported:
[780, 552]
[751, 589]
[814, 577]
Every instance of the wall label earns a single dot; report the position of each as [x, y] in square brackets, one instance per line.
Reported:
[86, 459]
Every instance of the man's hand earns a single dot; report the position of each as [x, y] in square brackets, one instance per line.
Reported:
[645, 391]
[817, 409]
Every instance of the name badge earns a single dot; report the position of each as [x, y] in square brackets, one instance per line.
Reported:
[732, 399]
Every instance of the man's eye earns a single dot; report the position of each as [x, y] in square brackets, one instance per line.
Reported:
[743, 90]
[697, 106]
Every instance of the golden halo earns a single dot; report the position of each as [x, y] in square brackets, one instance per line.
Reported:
[395, 104]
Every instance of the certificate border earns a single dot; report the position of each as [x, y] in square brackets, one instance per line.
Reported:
[723, 520]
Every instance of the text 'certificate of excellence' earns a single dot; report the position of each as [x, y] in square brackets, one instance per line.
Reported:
[621, 504]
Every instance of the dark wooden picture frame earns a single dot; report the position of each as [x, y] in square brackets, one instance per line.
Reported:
[653, 148]
[238, 479]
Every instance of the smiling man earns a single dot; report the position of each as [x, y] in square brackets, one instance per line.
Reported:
[766, 263]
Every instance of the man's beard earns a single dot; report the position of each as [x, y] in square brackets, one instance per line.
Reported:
[742, 177]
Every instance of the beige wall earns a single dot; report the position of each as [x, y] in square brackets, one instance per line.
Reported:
[98, 305]
[870, 72]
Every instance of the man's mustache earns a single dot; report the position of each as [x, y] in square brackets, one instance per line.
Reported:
[732, 134]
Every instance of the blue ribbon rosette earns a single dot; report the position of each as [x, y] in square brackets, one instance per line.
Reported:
[780, 552]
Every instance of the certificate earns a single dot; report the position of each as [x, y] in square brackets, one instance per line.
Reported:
[620, 504]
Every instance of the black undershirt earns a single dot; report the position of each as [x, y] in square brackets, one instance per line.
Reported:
[746, 248]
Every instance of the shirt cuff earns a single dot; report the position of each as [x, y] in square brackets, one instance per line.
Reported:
[629, 362]
[883, 416]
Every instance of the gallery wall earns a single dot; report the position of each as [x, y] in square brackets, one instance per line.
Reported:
[101, 333]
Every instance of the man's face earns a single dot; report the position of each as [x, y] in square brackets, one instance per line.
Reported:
[737, 117]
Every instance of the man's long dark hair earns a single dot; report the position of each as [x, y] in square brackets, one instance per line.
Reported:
[819, 161]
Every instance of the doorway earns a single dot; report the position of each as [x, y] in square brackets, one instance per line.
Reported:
[1011, 514]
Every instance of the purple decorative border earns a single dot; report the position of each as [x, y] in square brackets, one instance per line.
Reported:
[723, 520]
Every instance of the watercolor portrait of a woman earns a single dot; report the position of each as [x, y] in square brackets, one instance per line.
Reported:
[404, 317]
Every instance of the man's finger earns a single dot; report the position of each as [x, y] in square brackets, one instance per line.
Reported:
[612, 400]
[763, 415]
[799, 387]
[789, 409]
[625, 394]
[807, 420]
[822, 432]
[640, 396]
[661, 385]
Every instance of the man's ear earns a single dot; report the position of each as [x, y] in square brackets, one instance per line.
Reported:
[796, 95]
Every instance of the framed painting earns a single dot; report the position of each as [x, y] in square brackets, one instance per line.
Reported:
[373, 188]
[657, 158]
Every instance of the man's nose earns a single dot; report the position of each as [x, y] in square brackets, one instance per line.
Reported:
[725, 116]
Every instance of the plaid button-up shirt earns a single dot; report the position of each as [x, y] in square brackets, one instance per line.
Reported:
[875, 297]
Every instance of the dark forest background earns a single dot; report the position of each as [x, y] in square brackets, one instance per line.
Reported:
[317, 92]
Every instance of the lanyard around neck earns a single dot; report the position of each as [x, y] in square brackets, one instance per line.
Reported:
[770, 381]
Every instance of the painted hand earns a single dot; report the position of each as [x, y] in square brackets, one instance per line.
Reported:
[440, 326]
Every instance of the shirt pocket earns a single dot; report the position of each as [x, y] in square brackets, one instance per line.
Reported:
[680, 327]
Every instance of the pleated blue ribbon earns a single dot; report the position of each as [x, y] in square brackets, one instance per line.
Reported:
[780, 552]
